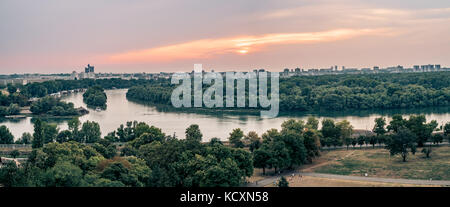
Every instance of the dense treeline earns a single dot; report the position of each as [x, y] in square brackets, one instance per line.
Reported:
[340, 92]
[95, 97]
[151, 158]
[19, 95]
[54, 86]
[53, 106]
[10, 104]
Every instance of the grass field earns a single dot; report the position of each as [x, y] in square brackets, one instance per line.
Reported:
[378, 163]
[309, 181]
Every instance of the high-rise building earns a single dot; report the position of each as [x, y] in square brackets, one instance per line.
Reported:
[89, 69]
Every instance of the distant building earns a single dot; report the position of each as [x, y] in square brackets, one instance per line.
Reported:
[89, 72]
[286, 72]
[89, 69]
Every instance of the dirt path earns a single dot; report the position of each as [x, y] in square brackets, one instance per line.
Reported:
[313, 166]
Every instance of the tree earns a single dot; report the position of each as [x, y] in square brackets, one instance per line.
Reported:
[437, 138]
[215, 141]
[5, 136]
[354, 142]
[396, 122]
[90, 132]
[252, 136]
[331, 133]
[12, 88]
[361, 140]
[401, 141]
[380, 123]
[348, 141]
[280, 157]
[345, 132]
[64, 174]
[254, 139]
[254, 145]
[372, 140]
[11, 175]
[261, 159]
[447, 131]
[152, 134]
[423, 131]
[193, 133]
[38, 135]
[312, 123]
[311, 140]
[64, 136]
[243, 160]
[282, 183]
[25, 139]
[236, 138]
[50, 132]
[74, 127]
[294, 143]
[15, 153]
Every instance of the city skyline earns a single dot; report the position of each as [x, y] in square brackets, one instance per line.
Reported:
[171, 36]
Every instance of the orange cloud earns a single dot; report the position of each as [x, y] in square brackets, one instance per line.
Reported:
[208, 48]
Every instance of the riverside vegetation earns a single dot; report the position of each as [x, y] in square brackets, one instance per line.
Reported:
[146, 156]
[337, 92]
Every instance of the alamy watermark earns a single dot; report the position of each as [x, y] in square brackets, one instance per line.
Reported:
[258, 90]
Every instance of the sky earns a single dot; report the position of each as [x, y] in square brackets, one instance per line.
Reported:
[122, 36]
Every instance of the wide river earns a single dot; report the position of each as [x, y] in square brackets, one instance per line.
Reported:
[120, 110]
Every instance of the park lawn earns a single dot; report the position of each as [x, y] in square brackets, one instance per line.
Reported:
[379, 163]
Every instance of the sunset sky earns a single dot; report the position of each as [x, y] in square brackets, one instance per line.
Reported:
[54, 36]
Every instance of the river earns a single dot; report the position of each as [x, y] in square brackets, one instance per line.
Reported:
[219, 125]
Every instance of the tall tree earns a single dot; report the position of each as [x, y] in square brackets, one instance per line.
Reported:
[38, 135]
[193, 133]
[379, 127]
[90, 132]
[261, 158]
[74, 127]
[5, 136]
[331, 133]
[345, 130]
[50, 132]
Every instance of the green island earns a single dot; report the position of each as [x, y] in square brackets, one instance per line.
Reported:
[95, 97]
[336, 92]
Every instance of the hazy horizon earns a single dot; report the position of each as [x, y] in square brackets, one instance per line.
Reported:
[53, 36]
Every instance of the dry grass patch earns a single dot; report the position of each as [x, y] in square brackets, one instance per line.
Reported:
[379, 163]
